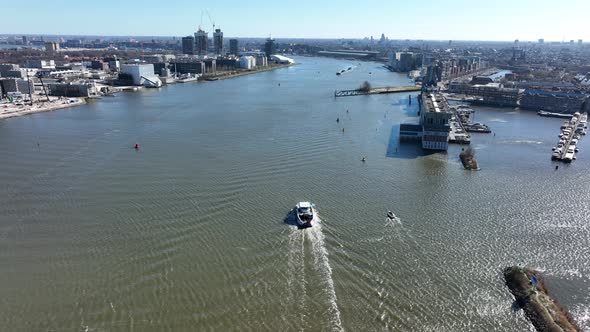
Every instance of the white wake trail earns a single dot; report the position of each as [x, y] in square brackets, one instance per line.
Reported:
[320, 256]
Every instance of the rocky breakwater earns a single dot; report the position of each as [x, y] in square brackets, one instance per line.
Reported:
[532, 296]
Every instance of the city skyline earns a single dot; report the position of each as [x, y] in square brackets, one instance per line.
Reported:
[455, 20]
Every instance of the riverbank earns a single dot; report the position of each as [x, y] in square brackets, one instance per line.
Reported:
[10, 110]
[40, 104]
[232, 74]
[532, 296]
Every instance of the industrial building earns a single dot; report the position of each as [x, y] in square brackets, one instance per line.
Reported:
[218, 42]
[188, 45]
[141, 74]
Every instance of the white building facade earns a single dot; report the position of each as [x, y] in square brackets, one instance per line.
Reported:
[142, 74]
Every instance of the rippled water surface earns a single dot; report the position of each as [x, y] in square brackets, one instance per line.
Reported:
[189, 232]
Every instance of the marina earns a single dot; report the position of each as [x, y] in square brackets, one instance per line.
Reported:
[571, 132]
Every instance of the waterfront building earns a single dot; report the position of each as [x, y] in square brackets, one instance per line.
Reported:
[270, 47]
[141, 74]
[276, 58]
[435, 122]
[210, 66]
[489, 94]
[25, 41]
[553, 101]
[188, 45]
[201, 42]
[16, 85]
[261, 60]
[247, 62]
[404, 61]
[227, 63]
[233, 46]
[350, 54]
[72, 90]
[218, 42]
[188, 67]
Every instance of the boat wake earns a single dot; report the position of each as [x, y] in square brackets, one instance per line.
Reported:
[393, 221]
[321, 262]
[303, 259]
[296, 280]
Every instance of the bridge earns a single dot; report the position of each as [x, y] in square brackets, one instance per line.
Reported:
[374, 91]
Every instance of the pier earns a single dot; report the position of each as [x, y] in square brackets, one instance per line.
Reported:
[571, 132]
[374, 91]
[457, 134]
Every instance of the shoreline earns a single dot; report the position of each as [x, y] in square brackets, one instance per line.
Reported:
[244, 73]
[11, 110]
[531, 295]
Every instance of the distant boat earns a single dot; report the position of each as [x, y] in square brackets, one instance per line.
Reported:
[554, 115]
[390, 215]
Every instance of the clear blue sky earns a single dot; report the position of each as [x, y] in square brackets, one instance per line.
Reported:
[424, 19]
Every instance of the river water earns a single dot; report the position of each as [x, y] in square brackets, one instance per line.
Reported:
[188, 233]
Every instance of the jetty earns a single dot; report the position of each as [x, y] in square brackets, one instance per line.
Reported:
[571, 132]
[532, 297]
[374, 91]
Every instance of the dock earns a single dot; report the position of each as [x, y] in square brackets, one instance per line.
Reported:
[374, 91]
[464, 114]
[571, 131]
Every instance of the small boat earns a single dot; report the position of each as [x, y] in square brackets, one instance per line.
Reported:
[305, 214]
[390, 215]
[554, 115]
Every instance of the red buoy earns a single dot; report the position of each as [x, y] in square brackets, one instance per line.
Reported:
[136, 146]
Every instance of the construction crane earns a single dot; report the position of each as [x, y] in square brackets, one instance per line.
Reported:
[210, 20]
[201, 24]
[39, 76]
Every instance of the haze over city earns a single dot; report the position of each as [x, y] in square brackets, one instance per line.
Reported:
[428, 19]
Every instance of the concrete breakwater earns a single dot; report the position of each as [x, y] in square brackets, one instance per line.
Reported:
[532, 296]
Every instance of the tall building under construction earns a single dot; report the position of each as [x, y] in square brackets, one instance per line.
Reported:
[201, 42]
[218, 42]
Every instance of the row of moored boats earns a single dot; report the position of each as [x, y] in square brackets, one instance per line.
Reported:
[571, 132]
